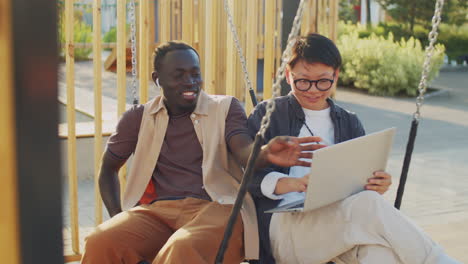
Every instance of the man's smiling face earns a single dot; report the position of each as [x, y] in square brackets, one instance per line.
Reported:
[180, 79]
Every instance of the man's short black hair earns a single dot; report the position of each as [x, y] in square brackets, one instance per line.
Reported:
[161, 51]
[315, 48]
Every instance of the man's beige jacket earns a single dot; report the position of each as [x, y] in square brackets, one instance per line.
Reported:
[221, 173]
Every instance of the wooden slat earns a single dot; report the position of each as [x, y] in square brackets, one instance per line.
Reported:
[143, 48]
[278, 53]
[187, 21]
[251, 51]
[210, 43]
[9, 240]
[305, 26]
[231, 54]
[201, 33]
[220, 74]
[72, 258]
[97, 47]
[151, 22]
[269, 49]
[121, 73]
[260, 29]
[164, 20]
[172, 17]
[323, 24]
[334, 20]
[72, 171]
[319, 7]
[176, 19]
[314, 16]
[334, 31]
[241, 17]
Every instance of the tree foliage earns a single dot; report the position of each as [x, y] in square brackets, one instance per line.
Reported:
[413, 12]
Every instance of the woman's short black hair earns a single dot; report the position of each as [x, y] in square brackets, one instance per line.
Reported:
[161, 51]
[315, 48]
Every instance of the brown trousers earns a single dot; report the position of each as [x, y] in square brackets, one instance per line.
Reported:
[173, 231]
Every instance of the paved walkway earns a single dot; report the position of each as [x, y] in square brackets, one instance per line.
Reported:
[436, 195]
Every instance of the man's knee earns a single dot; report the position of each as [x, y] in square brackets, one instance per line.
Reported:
[179, 244]
[98, 241]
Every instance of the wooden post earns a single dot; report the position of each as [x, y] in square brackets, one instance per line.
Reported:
[187, 21]
[72, 175]
[164, 20]
[269, 49]
[251, 51]
[97, 64]
[121, 73]
[143, 48]
[9, 224]
[210, 44]
[34, 60]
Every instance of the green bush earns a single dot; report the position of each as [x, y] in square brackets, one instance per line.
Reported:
[83, 33]
[455, 40]
[382, 66]
[453, 37]
[110, 36]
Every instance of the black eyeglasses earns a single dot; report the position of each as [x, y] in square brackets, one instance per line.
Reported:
[321, 84]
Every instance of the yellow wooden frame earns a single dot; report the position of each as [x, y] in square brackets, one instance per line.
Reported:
[9, 228]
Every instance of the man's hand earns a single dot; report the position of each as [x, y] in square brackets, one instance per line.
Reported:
[286, 151]
[380, 182]
[290, 184]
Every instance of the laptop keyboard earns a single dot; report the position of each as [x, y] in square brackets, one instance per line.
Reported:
[301, 205]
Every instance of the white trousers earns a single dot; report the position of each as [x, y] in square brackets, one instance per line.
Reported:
[364, 228]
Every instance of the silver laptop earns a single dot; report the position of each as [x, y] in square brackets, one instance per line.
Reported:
[341, 170]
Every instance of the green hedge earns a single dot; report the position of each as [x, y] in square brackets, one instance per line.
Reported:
[383, 66]
[454, 38]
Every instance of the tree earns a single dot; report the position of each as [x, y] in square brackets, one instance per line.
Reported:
[368, 12]
[347, 11]
[420, 12]
[456, 12]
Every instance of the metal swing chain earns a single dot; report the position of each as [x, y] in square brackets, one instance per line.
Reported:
[419, 101]
[248, 173]
[280, 74]
[240, 52]
[427, 61]
[133, 49]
